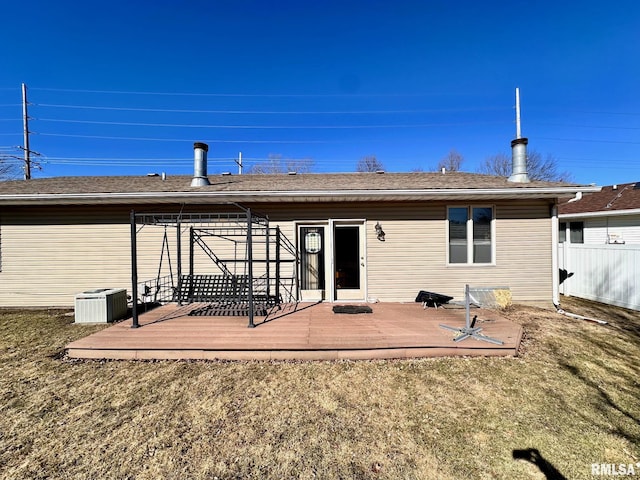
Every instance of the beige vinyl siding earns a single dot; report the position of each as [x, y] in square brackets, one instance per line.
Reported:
[49, 255]
[524, 250]
[413, 256]
[45, 265]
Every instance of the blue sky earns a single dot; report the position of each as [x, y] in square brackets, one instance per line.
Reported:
[127, 87]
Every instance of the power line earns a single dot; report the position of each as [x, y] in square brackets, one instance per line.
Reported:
[269, 127]
[594, 112]
[270, 112]
[186, 140]
[583, 126]
[189, 159]
[589, 140]
[241, 95]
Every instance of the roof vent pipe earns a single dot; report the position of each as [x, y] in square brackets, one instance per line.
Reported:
[200, 178]
[519, 161]
[519, 150]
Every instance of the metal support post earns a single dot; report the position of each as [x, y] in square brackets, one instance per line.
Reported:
[191, 263]
[278, 264]
[134, 272]
[250, 266]
[179, 255]
[268, 261]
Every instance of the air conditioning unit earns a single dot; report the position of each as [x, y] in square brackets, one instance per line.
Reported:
[101, 305]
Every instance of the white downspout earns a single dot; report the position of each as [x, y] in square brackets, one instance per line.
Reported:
[555, 273]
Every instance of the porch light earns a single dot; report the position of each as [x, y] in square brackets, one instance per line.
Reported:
[379, 232]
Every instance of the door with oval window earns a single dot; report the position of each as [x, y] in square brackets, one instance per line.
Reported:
[312, 247]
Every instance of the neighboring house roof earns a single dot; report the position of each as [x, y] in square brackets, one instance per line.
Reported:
[621, 199]
[279, 188]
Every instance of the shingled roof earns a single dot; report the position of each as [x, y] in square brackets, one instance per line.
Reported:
[280, 187]
[612, 199]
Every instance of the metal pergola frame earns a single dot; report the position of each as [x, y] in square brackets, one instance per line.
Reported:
[244, 227]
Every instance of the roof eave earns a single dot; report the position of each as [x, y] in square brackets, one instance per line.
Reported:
[601, 213]
[295, 196]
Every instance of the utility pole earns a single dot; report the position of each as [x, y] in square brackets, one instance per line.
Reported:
[240, 163]
[25, 121]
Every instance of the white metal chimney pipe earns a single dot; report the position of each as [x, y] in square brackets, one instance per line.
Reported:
[200, 178]
[519, 150]
[519, 161]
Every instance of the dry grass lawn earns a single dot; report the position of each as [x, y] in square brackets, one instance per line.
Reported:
[572, 394]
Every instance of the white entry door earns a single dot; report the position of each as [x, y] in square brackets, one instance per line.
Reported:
[349, 261]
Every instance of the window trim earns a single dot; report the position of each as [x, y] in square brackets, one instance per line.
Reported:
[470, 244]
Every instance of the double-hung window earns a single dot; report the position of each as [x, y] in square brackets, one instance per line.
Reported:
[470, 234]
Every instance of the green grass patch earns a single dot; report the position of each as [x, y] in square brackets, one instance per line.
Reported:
[572, 395]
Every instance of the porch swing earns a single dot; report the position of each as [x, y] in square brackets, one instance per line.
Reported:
[251, 289]
[157, 290]
[228, 293]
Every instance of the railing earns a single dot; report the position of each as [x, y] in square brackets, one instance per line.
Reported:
[605, 273]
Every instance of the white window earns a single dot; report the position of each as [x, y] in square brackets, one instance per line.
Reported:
[470, 234]
[576, 232]
[562, 232]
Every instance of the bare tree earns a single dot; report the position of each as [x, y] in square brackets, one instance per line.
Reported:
[452, 162]
[8, 169]
[499, 164]
[276, 164]
[538, 167]
[369, 164]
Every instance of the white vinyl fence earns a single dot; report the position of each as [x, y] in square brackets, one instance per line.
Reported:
[604, 273]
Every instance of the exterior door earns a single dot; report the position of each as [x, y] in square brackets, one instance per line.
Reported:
[332, 261]
[349, 261]
[312, 246]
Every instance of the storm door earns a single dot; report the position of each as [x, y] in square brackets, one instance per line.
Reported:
[349, 261]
